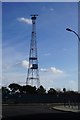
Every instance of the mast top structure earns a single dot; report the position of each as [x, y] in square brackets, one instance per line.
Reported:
[34, 16]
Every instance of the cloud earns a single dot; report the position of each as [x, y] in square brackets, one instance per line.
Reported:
[25, 20]
[47, 54]
[43, 70]
[25, 63]
[53, 70]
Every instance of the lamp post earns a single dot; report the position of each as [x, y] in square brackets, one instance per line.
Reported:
[70, 30]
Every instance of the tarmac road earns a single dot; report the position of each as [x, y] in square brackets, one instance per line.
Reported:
[37, 111]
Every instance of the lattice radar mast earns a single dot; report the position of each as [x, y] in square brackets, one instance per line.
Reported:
[33, 72]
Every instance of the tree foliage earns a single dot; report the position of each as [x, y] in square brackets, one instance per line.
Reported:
[52, 91]
[41, 90]
[14, 87]
[29, 89]
[64, 90]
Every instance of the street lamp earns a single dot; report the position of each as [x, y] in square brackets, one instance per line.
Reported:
[68, 29]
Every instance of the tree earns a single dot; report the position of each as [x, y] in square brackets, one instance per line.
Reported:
[64, 90]
[58, 90]
[29, 89]
[5, 93]
[52, 91]
[41, 90]
[5, 90]
[14, 87]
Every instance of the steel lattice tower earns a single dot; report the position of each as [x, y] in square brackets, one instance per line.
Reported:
[33, 72]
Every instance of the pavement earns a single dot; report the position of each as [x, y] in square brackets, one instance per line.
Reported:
[67, 108]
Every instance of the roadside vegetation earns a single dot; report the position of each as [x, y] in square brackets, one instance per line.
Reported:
[16, 93]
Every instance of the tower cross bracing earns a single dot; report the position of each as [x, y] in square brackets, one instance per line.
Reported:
[33, 72]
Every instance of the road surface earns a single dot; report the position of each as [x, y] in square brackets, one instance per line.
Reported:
[37, 111]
